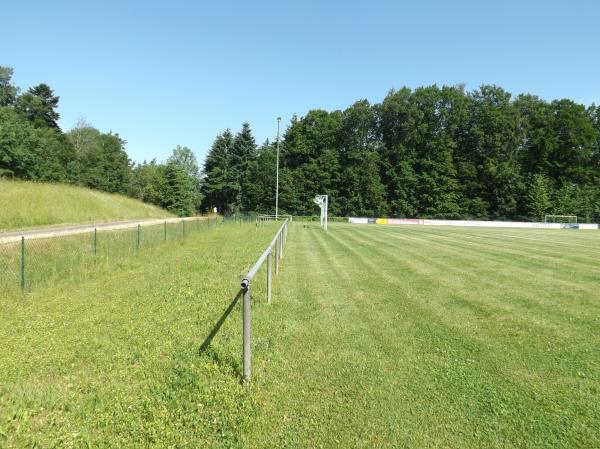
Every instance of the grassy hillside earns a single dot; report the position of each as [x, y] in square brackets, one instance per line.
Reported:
[377, 337]
[28, 204]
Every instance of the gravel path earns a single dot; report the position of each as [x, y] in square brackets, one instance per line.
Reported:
[13, 236]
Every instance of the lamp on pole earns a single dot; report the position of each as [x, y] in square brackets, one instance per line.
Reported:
[277, 175]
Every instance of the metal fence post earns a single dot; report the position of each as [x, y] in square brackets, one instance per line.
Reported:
[165, 231]
[22, 263]
[246, 329]
[95, 241]
[281, 244]
[183, 227]
[277, 256]
[139, 230]
[269, 277]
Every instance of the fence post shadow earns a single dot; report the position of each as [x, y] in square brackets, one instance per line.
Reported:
[205, 346]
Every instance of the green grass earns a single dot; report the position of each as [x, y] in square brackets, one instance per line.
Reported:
[433, 337]
[378, 336]
[113, 361]
[30, 204]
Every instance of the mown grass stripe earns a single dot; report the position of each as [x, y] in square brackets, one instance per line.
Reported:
[459, 379]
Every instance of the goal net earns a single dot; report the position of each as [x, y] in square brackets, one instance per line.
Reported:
[563, 219]
[321, 201]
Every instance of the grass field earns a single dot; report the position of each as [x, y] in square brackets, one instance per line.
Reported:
[377, 337]
[30, 204]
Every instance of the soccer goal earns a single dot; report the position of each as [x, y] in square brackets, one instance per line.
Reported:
[562, 219]
[322, 201]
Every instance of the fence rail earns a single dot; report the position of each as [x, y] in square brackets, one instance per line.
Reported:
[278, 245]
[264, 219]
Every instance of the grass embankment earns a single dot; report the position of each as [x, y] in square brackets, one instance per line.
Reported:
[377, 337]
[30, 204]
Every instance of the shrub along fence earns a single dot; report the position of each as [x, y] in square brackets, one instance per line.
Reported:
[31, 262]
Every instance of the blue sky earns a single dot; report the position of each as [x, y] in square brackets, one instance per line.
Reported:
[165, 73]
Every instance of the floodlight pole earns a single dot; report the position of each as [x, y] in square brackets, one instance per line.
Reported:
[277, 175]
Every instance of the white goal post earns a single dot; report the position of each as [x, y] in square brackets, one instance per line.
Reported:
[322, 202]
[560, 219]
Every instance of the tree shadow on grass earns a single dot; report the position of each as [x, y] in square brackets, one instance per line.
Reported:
[206, 349]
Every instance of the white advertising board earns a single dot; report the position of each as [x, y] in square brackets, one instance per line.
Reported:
[358, 220]
[477, 223]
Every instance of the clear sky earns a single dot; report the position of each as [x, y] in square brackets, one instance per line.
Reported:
[162, 73]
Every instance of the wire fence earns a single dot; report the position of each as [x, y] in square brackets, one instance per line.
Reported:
[31, 262]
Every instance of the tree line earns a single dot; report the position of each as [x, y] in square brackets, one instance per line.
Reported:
[431, 152]
[33, 147]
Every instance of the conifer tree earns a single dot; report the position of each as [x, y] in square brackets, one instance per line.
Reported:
[216, 186]
[242, 163]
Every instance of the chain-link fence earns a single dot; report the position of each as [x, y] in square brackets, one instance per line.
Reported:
[31, 262]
